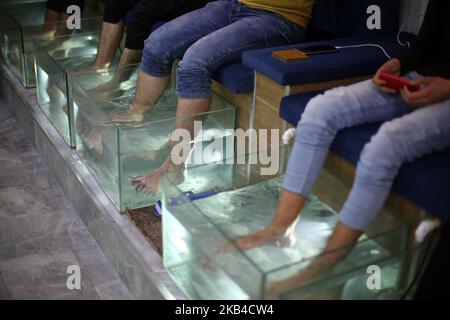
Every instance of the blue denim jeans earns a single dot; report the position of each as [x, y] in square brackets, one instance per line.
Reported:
[211, 37]
[406, 134]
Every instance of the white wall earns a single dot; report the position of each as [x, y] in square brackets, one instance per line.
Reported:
[412, 13]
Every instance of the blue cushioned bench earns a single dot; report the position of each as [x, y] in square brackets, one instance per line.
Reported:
[236, 77]
[334, 22]
[425, 182]
[331, 19]
[348, 62]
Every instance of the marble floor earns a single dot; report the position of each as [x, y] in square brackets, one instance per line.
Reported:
[40, 233]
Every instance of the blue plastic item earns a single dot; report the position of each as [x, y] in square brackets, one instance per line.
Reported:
[157, 210]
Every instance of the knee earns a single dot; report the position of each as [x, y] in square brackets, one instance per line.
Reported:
[194, 74]
[156, 48]
[322, 112]
[386, 150]
[196, 60]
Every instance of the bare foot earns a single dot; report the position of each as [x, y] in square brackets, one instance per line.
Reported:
[151, 184]
[14, 54]
[105, 87]
[109, 95]
[277, 288]
[47, 35]
[54, 43]
[90, 69]
[288, 286]
[270, 236]
[57, 98]
[94, 141]
[209, 264]
[135, 113]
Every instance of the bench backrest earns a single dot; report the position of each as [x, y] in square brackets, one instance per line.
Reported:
[345, 18]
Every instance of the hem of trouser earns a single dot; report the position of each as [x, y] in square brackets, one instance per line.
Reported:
[113, 21]
[297, 192]
[193, 96]
[134, 47]
[154, 74]
[351, 224]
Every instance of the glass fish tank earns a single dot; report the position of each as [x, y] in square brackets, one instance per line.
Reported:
[117, 152]
[20, 23]
[57, 60]
[203, 214]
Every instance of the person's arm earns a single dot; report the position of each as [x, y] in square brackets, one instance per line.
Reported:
[429, 39]
[434, 90]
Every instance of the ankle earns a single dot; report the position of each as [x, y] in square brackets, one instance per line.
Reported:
[101, 64]
[139, 108]
[276, 229]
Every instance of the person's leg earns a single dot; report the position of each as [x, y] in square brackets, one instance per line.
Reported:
[112, 30]
[53, 15]
[146, 14]
[250, 29]
[109, 42]
[224, 46]
[164, 46]
[324, 116]
[398, 141]
[56, 12]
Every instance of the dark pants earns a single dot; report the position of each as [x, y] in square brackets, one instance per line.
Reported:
[145, 13]
[62, 5]
[435, 283]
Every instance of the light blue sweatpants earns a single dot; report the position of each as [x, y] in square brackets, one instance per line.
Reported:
[407, 134]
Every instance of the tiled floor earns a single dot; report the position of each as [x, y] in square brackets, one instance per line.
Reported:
[40, 233]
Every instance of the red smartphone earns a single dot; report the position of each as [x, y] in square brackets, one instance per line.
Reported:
[397, 83]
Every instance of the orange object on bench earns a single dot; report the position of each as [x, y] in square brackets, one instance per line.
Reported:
[289, 56]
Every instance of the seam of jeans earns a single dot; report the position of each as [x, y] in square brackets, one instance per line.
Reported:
[363, 108]
[247, 46]
[423, 139]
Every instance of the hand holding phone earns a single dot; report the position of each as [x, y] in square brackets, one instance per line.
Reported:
[397, 83]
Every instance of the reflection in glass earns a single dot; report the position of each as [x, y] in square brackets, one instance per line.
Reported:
[116, 152]
[201, 220]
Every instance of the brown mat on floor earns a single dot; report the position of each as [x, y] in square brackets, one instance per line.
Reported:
[149, 225]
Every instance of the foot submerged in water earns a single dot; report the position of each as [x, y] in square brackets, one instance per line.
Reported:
[151, 183]
[134, 113]
[93, 141]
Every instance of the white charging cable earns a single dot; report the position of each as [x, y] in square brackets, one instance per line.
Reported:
[403, 44]
[367, 45]
[407, 43]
